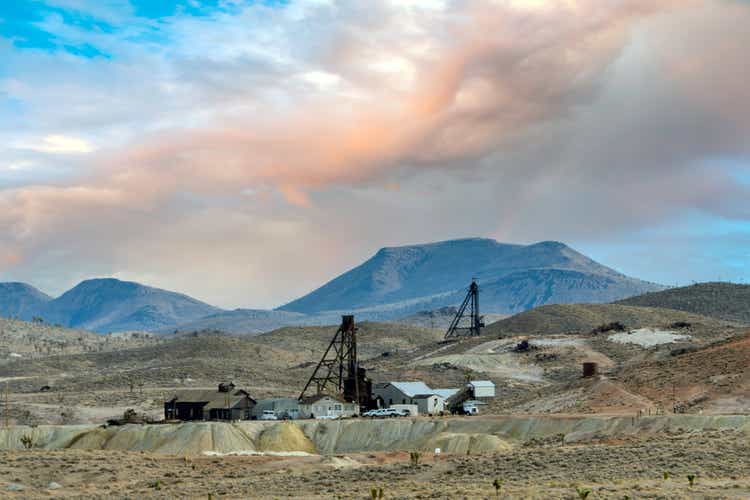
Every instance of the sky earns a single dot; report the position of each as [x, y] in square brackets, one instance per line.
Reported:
[245, 152]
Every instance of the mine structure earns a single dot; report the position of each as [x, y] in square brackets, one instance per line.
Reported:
[338, 372]
[459, 327]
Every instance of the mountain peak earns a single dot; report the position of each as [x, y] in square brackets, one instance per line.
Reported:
[426, 276]
[21, 300]
[550, 244]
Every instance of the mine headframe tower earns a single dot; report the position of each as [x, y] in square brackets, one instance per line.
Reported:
[338, 372]
[459, 327]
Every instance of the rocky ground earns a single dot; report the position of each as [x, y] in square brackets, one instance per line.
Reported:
[624, 469]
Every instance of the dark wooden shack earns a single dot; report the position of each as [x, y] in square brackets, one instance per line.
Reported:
[225, 403]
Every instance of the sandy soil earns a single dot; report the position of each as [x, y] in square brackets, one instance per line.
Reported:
[538, 470]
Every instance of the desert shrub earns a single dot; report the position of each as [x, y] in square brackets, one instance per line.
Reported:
[680, 324]
[415, 457]
[583, 493]
[498, 484]
[691, 479]
[27, 441]
[615, 326]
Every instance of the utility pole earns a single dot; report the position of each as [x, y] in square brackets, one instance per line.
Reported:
[7, 406]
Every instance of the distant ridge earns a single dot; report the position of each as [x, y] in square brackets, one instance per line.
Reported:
[103, 305]
[402, 280]
[395, 283]
[727, 301]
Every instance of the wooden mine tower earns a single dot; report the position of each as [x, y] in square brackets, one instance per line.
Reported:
[338, 372]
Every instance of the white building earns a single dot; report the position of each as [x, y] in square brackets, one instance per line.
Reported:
[324, 406]
[482, 388]
[429, 404]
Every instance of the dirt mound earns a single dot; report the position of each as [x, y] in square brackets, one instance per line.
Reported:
[464, 444]
[285, 437]
[583, 318]
[727, 301]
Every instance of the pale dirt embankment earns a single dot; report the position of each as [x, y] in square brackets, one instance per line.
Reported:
[467, 435]
[630, 462]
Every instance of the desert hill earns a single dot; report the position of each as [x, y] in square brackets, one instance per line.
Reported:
[373, 339]
[441, 318]
[250, 321]
[22, 340]
[727, 301]
[564, 318]
[400, 281]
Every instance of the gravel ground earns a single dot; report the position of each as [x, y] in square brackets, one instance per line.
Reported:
[611, 470]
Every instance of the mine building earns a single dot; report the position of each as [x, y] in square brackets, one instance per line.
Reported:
[429, 401]
[326, 406]
[227, 402]
[481, 388]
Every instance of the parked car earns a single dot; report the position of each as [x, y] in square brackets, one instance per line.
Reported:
[268, 415]
[326, 417]
[390, 413]
[371, 413]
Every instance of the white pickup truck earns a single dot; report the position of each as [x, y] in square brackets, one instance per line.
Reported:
[268, 415]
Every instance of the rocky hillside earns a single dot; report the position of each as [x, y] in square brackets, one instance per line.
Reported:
[403, 280]
[728, 301]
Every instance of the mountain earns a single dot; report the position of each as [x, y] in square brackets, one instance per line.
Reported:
[104, 305]
[403, 280]
[727, 301]
[21, 301]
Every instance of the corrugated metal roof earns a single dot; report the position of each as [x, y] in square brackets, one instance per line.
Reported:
[446, 393]
[481, 383]
[308, 400]
[411, 389]
[426, 396]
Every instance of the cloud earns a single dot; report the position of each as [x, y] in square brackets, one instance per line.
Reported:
[575, 120]
[59, 144]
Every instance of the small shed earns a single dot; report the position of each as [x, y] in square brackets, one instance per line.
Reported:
[429, 404]
[225, 403]
[482, 388]
[326, 406]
